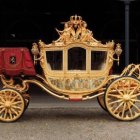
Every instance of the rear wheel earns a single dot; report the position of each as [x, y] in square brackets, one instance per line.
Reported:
[101, 102]
[27, 100]
[122, 98]
[11, 105]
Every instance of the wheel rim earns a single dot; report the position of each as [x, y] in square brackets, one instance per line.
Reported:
[11, 105]
[26, 103]
[122, 98]
[27, 100]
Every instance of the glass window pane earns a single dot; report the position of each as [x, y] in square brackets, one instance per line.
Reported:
[98, 60]
[76, 59]
[54, 60]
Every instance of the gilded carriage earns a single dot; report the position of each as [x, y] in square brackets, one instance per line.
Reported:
[75, 67]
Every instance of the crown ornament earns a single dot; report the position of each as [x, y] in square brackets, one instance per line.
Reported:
[76, 19]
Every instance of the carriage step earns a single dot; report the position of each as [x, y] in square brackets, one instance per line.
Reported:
[74, 97]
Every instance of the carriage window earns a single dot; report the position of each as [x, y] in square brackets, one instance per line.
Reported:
[54, 60]
[76, 59]
[98, 60]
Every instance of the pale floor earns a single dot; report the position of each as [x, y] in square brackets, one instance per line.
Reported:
[69, 124]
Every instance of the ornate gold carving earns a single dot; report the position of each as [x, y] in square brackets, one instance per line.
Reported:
[34, 49]
[76, 83]
[75, 30]
[118, 52]
[132, 70]
[35, 52]
[10, 83]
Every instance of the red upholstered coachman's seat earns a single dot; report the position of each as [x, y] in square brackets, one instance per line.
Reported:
[16, 61]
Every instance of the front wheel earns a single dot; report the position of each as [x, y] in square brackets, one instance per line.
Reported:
[122, 98]
[11, 105]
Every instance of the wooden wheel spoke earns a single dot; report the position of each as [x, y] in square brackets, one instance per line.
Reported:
[135, 100]
[116, 96]
[118, 107]
[2, 110]
[131, 93]
[123, 88]
[10, 114]
[5, 114]
[114, 90]
[15, 112]
[17, 102]
[10, 96]
[16, 107]
[124, 107]
[135, 95]
[2, 99]
[1, 103]
[117, 101]
[119, 91]
[128, 104]
[1, 106]
[7, 95]
[14, 98]
[135, 106]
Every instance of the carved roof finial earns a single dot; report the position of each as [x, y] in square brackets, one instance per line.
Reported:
[75, 19]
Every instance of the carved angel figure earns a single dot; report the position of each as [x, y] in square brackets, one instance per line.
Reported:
[66, 34]
[84, 34]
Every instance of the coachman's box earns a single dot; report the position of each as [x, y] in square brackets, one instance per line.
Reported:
[16, 61]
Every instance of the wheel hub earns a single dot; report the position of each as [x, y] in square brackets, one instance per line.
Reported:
[7, 104]
[126, 97]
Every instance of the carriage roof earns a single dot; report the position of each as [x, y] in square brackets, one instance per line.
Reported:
[76, 31]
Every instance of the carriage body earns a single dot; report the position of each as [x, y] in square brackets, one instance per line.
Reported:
[76, 66]
[76, 69]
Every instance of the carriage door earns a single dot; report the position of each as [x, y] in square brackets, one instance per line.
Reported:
[76, 59]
